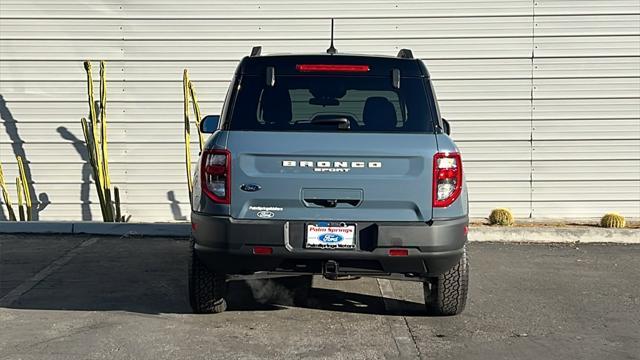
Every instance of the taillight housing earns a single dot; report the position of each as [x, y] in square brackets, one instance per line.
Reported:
[215, 173]
[331, 68]
[447, 178]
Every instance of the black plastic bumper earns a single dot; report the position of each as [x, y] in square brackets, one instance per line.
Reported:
[226, 245]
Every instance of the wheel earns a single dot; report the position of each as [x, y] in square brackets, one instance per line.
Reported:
[446, 294]
[298, 286]
[207, 290]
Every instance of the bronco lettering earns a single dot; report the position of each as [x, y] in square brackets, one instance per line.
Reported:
[332, 165]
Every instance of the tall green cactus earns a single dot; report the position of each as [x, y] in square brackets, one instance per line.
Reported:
[95, 134]
[189, 95]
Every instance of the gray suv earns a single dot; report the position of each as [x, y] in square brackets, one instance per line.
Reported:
[335, 165]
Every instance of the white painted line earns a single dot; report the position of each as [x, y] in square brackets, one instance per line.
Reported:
[29, 284]
[405, 343]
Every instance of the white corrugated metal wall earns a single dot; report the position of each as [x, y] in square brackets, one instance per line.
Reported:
[543, 95]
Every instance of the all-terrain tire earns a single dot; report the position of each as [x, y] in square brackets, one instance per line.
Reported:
[446, 294]
[299, 286]
[207, 290]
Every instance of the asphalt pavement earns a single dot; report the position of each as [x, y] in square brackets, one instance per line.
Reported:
[78, 297]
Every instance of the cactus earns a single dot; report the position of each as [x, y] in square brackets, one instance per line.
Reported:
[187, 131]
[24, 188]
[103, 143]
[612, 220]
[20, 203]
[95, 135]
[196, 112]
[5, 196]
[189, 96]
[501, 216]
[116, 192]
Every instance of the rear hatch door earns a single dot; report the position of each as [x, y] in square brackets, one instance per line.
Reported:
[331, 176]
[327, 141]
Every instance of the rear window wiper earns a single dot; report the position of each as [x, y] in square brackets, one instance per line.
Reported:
[342, 122]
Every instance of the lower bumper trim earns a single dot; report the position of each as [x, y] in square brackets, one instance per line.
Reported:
[227, 245]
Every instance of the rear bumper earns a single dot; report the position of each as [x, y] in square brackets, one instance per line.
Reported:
[226, 245]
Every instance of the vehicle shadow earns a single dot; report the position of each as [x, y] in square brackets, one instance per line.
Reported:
[352, 302]
[147, 276]
[152, 298]
[244, 296]
[161, 298]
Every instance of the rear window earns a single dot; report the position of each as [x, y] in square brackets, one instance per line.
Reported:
[327, 103]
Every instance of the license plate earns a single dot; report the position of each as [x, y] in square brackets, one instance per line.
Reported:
[331, 237]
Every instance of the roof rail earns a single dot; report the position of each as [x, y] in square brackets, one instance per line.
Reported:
[255, 51]
[405, 54]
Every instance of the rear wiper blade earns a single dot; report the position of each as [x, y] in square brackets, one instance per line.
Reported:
[342, 122]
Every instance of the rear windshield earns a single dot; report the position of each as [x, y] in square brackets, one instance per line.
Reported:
[331, 103]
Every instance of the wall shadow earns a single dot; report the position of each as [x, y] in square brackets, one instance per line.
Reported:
[175, 206]
[85, 189]
[43, 201]
[17, 144]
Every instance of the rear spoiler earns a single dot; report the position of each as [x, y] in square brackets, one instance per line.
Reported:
[288, 64]
[403, 53]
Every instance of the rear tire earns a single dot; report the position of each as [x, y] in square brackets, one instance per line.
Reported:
[446, 294]
[207, 290]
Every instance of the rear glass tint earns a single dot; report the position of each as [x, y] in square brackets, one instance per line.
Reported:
[299, 103]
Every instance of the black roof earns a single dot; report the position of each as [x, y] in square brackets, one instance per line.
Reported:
[379, 65]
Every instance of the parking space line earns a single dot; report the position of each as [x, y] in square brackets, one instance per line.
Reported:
[400, 331]
[29, 284]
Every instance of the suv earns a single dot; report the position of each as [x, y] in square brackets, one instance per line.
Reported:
[338, 165]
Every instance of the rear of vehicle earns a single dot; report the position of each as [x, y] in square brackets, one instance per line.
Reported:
[334, 165]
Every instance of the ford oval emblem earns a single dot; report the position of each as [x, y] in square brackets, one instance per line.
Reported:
[330, 238]
[250, 187]
[264, 214]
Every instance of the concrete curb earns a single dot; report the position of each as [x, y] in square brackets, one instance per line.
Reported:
[97, 228]
[538, 234]
[547, 234]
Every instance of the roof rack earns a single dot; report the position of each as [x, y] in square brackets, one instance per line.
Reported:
[405, 54]
[255, 51]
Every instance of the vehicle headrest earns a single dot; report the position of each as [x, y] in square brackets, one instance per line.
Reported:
[276, 106]
[379, 114]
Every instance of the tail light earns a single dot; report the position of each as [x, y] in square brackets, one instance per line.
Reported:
[331, 68]
[398, 252]
[447, 178]
[215, 174]
[262, 250]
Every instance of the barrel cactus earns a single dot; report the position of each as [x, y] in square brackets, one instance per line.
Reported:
[612, 220]
[501, 216]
